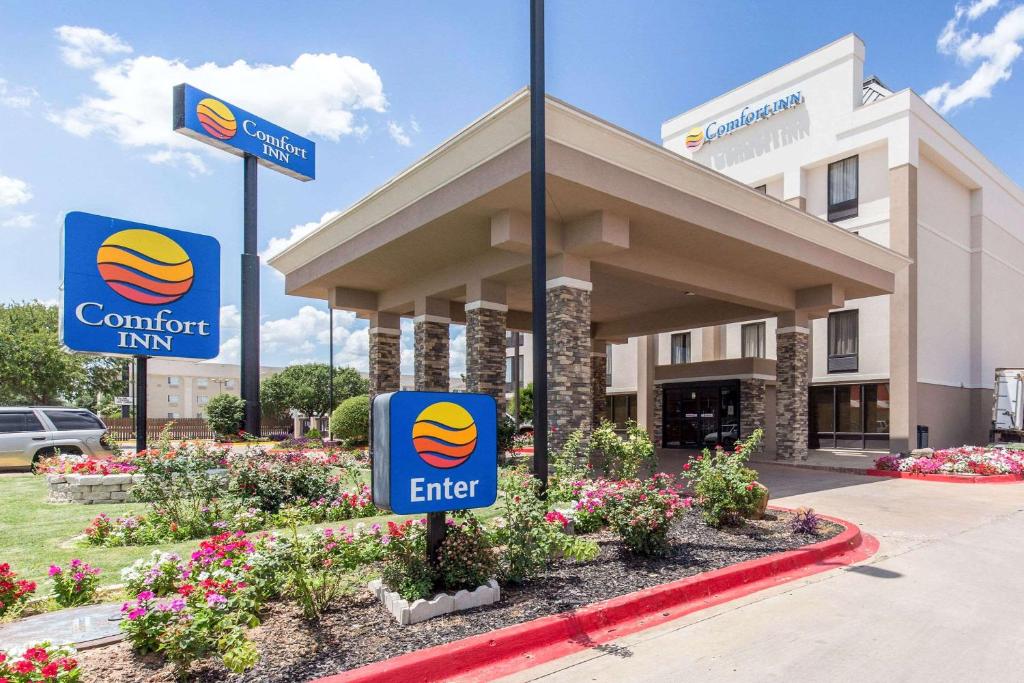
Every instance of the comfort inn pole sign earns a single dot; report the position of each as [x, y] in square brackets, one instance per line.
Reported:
[203, 117]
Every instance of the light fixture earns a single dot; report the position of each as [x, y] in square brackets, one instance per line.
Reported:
[689, 293]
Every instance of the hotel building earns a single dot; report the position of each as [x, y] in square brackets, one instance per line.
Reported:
[810, 252]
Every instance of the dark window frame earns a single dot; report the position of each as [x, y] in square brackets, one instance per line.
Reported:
[848, 208]
[762, 339]
[672, 347]
[843, 362]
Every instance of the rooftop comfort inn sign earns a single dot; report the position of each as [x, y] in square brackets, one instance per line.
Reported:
[206, 118]
[749, 115]
[136, 289]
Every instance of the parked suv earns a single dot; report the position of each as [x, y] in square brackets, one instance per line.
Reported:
[27, 434]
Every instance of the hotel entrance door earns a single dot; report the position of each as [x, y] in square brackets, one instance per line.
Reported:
[701, 415]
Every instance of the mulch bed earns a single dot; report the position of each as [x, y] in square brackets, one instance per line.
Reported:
[359, 632]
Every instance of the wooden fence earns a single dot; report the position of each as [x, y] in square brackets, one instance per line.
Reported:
[123, 429]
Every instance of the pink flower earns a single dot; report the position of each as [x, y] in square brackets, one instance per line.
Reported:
[137, 613]
[54, 570]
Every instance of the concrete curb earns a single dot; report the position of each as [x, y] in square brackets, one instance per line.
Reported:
[950, 478]
[488, 656]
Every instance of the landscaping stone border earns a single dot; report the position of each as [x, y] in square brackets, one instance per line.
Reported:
[492, 655]
[949, 478]
[89, 489]
[442, 603]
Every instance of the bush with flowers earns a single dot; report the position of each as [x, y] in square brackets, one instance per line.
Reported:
[642, 511]
[466, 558]
[622, 458]
[271, 480]
[971, 460]
[14, 592]
[529, 541]
[727, 490]
[159, 574]
[75, 585]
[39, 663]
[406, 569]
[83, 464]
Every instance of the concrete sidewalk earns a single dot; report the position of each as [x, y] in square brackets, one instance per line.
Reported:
[940, 601]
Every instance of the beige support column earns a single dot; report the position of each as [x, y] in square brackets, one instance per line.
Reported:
[430, 330]
[385, 353]
[599, 379]
[903, 311]
[570, 401]
[712, 343]
[486, 314]
[648, 394]
[792, 380]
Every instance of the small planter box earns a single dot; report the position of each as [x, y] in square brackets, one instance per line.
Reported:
[89, 489]
[406, 613]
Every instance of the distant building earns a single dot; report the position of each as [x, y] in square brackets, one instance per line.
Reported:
[182, 388]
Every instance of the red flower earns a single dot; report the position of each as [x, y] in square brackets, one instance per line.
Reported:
[50, 670]
[24, 666]
[687, 467]
[36, 653]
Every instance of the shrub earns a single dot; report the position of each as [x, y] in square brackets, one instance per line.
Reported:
[159, 574]
[14, 592]
[40, 663]
[641, 513]
[313, 433]
[225, 413]
[570, 466]
[320, 571]
[75, 585]
[530, 541]
[622, 459]
[726, 490]
[406, 570]
[506, 435]
[805, 521]
[351, 420]
[271, 480]
[466, 558]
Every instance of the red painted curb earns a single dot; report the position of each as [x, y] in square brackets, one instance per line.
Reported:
[950, 478]
[488, 656]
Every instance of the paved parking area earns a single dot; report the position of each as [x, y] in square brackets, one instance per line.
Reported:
[940, 601]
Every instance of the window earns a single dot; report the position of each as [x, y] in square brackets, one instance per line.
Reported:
[752, 340]
[21, 421]
[173, 381]
[842, 341]
[173, 399]
[608, 365]
[172, 416]
[202, 383]
[202, 400]
[621, 409]
[849, 416]
[67, 420]
[681, 348]
[229, 384]
[763, 189]
[842, 189]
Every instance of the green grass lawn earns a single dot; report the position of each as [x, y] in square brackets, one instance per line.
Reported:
[35, 534]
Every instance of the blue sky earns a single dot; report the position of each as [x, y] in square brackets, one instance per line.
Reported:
[85, 125]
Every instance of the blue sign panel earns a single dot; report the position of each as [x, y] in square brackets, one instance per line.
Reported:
[136, 289]
[434, 451]
[211, 120]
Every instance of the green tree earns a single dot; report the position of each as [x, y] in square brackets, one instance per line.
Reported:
[36, 370]
[525, 403]
[351, 420]
[305, 388]
[225, 412]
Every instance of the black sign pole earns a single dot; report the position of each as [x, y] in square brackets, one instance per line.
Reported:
[140, 403]
[538, 239]
[124, 378]
[330, 381]
[250, 302]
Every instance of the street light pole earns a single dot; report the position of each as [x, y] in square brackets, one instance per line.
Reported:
[538, 243]
[330, 381]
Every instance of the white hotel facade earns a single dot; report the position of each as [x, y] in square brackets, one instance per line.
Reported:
[818, 135]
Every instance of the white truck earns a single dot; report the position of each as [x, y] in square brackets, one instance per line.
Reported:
[1008, 405]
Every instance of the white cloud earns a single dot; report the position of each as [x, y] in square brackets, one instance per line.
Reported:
[13, 191]
[83, 47]
[317, 95]
[16, 97]
[994, 53]
[398, 134]
[279, 244]
[19, 221]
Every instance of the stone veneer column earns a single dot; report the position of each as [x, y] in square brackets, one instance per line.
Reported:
[599, 381]
[385, 336]
[752, 407]
[485, 349]
[570, 397]
[430, 332]
[657, 415]
[791, 391]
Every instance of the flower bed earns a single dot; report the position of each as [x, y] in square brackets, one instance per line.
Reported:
[975, 461]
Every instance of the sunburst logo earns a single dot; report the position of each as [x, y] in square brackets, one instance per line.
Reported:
[216, 118]
[145, 267]
[694, 139]
[444, 435]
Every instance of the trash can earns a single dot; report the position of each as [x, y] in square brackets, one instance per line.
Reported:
[922, 436]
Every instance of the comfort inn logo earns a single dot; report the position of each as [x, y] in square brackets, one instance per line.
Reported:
[145, 267]
[216, 118]
[444, 435]
[694, 139]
